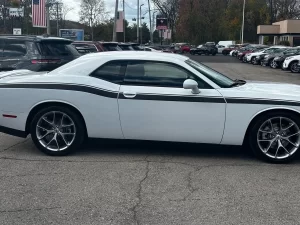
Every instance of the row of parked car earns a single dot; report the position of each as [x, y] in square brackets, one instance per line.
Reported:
[277, 56]
[44, 53]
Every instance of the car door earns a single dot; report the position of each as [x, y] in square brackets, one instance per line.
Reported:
[154, 106]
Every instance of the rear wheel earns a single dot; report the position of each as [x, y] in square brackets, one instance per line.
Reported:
[253, 60]
[273, 64]
[275, 137]
[57, 130]
[294, 67]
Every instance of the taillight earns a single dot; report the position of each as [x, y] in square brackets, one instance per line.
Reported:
[45, 61]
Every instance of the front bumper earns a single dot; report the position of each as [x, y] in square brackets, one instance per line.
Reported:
[285, 66]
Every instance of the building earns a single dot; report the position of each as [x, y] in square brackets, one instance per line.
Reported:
[286, 30]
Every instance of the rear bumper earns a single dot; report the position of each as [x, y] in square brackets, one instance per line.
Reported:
[13, 132]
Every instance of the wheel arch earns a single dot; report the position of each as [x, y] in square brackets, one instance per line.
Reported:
[37, 107]
[264, 112]
[295, 60]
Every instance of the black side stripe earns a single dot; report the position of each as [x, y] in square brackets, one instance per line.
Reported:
[261, 102]
[149, 96]
[67, 87]
[171, 98]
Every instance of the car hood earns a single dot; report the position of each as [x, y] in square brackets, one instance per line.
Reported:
[265, 90]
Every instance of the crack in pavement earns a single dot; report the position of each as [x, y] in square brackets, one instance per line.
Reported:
[192, 190]
[14, 145]
[134, 209]
[28, 210]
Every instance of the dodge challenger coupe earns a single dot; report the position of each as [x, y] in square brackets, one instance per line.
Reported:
[148, 96]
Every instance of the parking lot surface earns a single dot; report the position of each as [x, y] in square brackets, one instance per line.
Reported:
[118, 182]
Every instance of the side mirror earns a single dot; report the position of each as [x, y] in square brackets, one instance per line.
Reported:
[191, 84]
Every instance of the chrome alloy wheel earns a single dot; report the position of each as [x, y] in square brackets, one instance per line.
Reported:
[278, 137]
[55, 131]
[273, 64]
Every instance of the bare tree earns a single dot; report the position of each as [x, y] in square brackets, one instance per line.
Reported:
[65, 10]
[92, 13]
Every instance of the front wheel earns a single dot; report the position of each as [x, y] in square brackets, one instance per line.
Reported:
[273, 64]
[294, 67]
[275, 137]
[57, 130]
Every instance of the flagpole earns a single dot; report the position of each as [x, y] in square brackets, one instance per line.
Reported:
[243, 25]
[48, 17]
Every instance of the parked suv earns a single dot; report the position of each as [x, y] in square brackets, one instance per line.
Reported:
[36, 53]
[205, 49]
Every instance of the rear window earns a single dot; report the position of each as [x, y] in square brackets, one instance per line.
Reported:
[91, 47]
[126, 47]
[111, 47]
[14, 48]
[57, 49]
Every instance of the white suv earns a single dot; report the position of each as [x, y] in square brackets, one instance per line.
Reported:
[251, 56]
[291, 63]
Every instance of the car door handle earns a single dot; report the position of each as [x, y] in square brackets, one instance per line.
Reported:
[129, 94]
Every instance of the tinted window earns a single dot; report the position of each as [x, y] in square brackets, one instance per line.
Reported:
[147, 73]
[111, 47]
[111, 72]
[90, 47]
[56, 48]
[14, 48]
[126, 47]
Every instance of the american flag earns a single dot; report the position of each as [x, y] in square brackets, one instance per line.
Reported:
[39, 13]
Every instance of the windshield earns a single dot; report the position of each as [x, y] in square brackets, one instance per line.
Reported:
[55, 48]
[279, 50]
[216, 77]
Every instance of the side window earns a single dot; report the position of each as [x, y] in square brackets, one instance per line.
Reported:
[148, 49]
[111, 71]
[158, 74]
[14, 48]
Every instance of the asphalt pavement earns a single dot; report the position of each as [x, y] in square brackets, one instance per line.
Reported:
[147, 183]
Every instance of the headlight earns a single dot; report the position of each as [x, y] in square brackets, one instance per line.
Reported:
[288, 58]
[278, 57]
[266, 56]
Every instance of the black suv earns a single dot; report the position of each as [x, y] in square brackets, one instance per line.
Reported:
[205, 49]
[36, 53]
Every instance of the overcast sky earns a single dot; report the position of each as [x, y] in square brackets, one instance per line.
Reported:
[130, 9]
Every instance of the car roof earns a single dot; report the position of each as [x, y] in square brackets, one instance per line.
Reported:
[85, 64]
[33, 38]
[130, 55]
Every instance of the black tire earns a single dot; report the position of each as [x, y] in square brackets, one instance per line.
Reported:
[253, 133]
[253, 60]
[78, 123]
[294, 67]
[206, 53]
[273, 65]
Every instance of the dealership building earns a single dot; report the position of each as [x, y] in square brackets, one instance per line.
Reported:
[286, 30]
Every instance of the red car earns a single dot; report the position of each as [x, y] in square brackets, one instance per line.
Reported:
[98, 46]
[241, 55]
[226, 51]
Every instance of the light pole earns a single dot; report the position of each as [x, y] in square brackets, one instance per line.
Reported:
[115, 21]
[152, 26]
[243, 25]
[138, 22]
[141, 23]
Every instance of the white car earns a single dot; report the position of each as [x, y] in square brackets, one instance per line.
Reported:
[291, 63]
[250, 57]
[221, 48]
[148, 96]
[149, 49]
